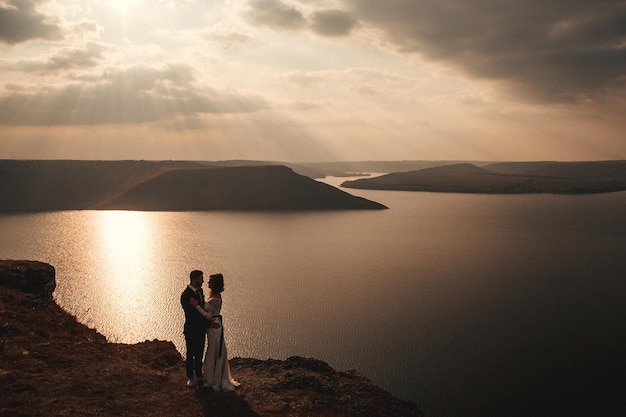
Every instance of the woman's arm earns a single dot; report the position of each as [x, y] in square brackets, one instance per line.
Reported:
[207, 314]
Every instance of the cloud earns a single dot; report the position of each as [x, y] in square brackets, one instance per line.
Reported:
[278, 15]
[21, 22]
[332, 22]
[568, 51]
[86, 56]
[138, 94]
[228, 40]
[275, 14]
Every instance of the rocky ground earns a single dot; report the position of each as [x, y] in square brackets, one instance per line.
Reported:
[51, 365]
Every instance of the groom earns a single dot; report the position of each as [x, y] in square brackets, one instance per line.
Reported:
[195, 327]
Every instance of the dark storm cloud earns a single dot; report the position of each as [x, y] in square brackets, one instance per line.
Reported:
[20, 22]
[550, 51]
[275, 14]
[332, 22]
[279, 15]
[134, 95]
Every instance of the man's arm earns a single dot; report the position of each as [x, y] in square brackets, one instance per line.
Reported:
[185, 298]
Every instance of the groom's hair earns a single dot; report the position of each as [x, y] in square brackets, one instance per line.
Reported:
[195, 274]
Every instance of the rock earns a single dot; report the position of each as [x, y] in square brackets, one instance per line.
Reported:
[29, 276]
[297, 386]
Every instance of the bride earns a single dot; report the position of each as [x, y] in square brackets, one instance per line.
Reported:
[216, 369]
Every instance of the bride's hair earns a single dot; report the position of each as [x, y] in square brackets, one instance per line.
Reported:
[216, 283]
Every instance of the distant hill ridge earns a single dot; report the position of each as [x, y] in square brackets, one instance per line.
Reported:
[236, 188]
[506, 178]
[164, 186]
[454, 169]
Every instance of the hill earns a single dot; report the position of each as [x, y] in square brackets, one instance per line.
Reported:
[355, 168]
[506, 178]
[238, 188]
[164, 185]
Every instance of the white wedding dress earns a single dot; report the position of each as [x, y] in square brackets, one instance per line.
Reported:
[216, 369]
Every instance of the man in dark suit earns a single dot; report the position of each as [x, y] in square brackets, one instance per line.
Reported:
[195, 328]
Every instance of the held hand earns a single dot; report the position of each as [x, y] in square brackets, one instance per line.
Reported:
[215, 325]
[193, 302]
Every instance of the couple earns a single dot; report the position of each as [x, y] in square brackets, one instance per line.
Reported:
[202, 319]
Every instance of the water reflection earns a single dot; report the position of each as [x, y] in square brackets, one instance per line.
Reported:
[125, 237]
[127, 255]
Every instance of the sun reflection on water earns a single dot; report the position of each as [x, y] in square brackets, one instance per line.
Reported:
[127, 249]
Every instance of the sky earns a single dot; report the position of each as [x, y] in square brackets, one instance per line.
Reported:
[306, 81]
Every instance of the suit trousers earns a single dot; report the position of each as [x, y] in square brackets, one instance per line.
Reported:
[194, 342]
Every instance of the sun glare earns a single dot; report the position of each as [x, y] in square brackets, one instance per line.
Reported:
[128, 252]
[124, 233]
[123, 7]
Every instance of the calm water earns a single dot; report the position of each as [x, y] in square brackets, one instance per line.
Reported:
[469, 305]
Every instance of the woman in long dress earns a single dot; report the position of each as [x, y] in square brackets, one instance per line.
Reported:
[216, 369]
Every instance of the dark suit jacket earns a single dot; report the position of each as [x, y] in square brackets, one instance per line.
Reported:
[195, 323]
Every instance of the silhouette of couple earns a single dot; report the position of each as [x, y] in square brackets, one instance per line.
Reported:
[203, 321]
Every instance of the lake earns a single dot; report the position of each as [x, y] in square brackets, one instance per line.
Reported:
[469, 305]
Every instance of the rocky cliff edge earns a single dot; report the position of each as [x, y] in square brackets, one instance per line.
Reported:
[52, 365]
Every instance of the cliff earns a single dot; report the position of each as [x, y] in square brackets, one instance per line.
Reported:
[164, 186]
[506, 178]
[52, 365]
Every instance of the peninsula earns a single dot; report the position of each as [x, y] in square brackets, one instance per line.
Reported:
[164, 186]
[505, 178]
